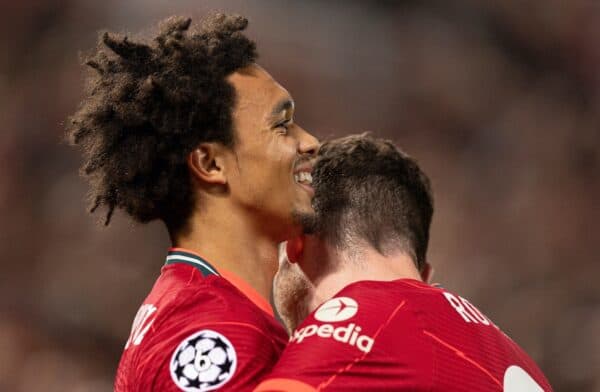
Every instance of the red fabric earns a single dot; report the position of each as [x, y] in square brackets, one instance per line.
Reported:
[422, 340]
[186, 302]
[238, 282]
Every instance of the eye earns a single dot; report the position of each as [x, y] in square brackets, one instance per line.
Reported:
[284, 125]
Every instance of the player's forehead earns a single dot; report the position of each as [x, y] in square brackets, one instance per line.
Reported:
[256, 89]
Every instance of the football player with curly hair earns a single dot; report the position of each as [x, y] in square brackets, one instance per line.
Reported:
[187, 129]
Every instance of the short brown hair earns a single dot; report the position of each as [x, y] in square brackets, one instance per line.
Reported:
[368, 189]
[149, 105]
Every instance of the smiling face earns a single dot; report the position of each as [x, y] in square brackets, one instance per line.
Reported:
[272, 157]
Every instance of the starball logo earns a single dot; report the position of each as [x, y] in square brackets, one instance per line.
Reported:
[336, 310]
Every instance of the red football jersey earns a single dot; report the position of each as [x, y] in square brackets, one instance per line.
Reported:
[199, 329]
[402, 335]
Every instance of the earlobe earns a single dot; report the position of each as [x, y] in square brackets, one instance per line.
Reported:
[204, 164]
[295, 249]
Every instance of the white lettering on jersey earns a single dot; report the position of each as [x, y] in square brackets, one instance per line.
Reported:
[335, 310]
[349, 334]
[141, 325]
[466, 310]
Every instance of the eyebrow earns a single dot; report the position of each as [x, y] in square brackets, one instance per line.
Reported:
[283, 105]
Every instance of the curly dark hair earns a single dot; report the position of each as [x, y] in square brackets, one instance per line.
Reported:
[368, 189]
[149, 105]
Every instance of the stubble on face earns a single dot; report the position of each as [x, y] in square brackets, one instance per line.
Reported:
[307, 221]
[304, 217]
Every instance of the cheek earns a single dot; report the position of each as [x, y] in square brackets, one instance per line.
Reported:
[266, 168]
[279, 158]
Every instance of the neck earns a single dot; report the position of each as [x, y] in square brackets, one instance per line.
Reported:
[349, 267]
[229, 241]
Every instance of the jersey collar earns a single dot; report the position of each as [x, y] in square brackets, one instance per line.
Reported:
[181, 255]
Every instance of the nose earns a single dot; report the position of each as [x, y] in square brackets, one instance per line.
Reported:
[309, 145]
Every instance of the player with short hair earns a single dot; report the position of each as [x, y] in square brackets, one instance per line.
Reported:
[187, 129]
[375, 325]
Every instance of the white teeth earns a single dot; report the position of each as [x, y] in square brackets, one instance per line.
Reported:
[303, 178]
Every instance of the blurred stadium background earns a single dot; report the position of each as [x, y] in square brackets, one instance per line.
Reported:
[499, 101]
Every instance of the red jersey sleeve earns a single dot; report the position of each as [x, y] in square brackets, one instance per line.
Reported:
[185, 351]
[213, 356]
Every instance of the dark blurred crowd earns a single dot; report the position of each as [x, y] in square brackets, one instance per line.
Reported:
[499, 101]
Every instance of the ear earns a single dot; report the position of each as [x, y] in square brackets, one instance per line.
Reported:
[295, 249]
[206, 163]
[427, 273]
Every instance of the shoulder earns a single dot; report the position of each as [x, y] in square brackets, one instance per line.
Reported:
[377, 290]
[376, 304]
[214, 306]
[367, 315]
[203, 333]
[182, 295]
[367, 328]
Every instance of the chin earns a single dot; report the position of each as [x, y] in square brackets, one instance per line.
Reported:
[306, 220]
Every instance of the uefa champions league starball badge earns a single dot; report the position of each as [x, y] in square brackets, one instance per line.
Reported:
[203, 361]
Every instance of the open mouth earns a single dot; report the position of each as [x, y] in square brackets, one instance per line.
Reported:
[303, 178]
